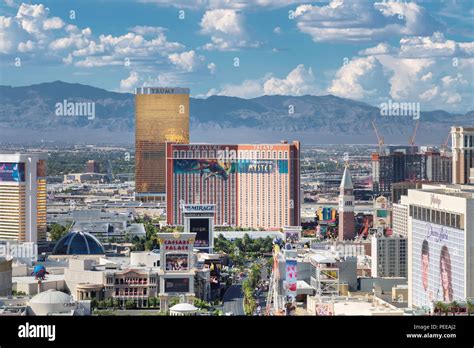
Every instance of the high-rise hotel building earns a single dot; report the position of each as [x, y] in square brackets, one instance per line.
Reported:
[463, 153]
[440, 244]
[23, 197]
[161, 115]
[253, 186]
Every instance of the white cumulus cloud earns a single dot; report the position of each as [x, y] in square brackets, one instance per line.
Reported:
[187, 61]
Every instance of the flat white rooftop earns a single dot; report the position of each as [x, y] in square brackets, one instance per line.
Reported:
[32, 280]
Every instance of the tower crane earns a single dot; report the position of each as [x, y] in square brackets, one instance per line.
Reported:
[411, 141]
[380, 139]
[444, 146]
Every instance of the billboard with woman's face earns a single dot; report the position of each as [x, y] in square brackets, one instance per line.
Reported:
[438, 264]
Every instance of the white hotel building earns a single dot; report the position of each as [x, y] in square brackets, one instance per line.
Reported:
[440, 244]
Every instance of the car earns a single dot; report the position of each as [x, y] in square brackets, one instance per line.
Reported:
[229, 314]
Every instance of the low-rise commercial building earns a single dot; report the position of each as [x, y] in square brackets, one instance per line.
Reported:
[5, 277]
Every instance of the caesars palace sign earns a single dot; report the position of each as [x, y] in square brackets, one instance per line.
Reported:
[176, 242]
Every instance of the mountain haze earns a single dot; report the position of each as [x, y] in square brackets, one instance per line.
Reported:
[27, 114]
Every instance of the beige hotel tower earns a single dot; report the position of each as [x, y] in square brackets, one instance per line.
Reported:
[23, 198]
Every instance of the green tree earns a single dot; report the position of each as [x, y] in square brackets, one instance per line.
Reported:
[152, 302]
[442, 307]
[469, 307]
[173, 301]
[130, 304]
[57, 231]
[109, 302]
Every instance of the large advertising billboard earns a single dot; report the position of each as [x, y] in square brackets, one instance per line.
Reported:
[438, 264]
[208, 168]
[176, 262]
[200, 226]
[176, 284]
[12, 172]
[291, 279]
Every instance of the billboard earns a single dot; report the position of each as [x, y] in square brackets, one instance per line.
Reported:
[176, 284]
[12, 172]
[176, 262]
[208, 168]
[292, 236]
[437, 264]
[291, 267]
[200, 226]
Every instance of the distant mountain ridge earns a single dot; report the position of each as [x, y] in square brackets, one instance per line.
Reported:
[27, 114]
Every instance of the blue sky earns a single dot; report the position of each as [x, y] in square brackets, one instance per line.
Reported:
[370, 51]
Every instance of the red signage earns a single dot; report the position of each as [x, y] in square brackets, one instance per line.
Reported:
[171, 244]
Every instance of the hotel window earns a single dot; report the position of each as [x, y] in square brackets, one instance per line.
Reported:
[204, 154]
[211, 154]
[453, 220]
[190, 154]
[183, 154]
[197, 154]
[175, 154]
[437, 217]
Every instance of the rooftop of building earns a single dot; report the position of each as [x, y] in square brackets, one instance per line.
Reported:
[21, 157]
[81, 243]
[362, 305]
[51, 297]
[462, 191]
[32, 280]
[251, 234]
[183, 307]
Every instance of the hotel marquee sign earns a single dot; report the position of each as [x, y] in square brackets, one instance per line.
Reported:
[198, 208]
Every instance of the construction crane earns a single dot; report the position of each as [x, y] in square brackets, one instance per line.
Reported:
[380, 139]
[444, 146]
[411, 141]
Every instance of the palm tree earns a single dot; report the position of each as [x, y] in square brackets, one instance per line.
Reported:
[453, 307]
[470, 307]
[441, 307]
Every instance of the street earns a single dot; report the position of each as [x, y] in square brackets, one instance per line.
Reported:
[234, 300]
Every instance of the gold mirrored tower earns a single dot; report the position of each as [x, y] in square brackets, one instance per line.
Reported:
[161, 115]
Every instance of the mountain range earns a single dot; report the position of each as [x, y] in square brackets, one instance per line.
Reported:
[27, 114]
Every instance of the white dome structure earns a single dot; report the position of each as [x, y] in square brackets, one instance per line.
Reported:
[182, 309]
[51, 302]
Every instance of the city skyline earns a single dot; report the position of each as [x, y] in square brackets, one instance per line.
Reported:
[248, 158]
[400, 51]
